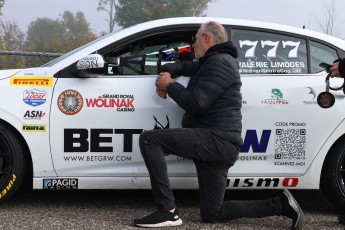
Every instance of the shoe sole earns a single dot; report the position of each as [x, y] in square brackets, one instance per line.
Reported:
[300, 219]
[163, 224]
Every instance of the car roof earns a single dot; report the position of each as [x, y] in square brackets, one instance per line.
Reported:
[180, 21]
[242, 22]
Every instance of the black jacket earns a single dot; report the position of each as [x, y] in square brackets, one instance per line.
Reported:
[342, 67]
[212, 99]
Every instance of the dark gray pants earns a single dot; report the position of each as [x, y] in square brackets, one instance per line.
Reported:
[212, 157]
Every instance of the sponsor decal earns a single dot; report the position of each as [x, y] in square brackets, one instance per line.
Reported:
[121, 102]
[252, 158]
[35, 72]
[158, 125]
[270, 49]
[70, 102]
[276, 98]
[34, 114]
[91, 61]
[251, 140]
[285, 123]
[32, 81]
[289, 144]
[251, 46]
[34, 128]
[8, 186]
[271, 67]
[97, 140]
[96, 158]
[101, 141]
[34, 97]
[60, 184]
[311, 91]
[286, 163]
[287, 182]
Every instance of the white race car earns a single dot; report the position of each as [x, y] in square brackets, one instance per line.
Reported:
[74, 123]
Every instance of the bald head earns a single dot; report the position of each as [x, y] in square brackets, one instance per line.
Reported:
[217, 30]
[208, 35]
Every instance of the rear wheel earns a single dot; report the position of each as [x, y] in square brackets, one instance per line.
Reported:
[333, 176]
[12, 163]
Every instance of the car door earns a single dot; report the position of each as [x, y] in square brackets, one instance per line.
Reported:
[282, 130]
[96, 117]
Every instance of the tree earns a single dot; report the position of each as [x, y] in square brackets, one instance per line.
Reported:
[109, 6]
[2, 2]
[131, 12]
[328, 26]
[45, 35]
[77, 30]
[11, 39]
[61, 35]
[11, 36]
[199, 7]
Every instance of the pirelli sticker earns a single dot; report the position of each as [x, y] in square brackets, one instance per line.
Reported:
[32, 81]
[34, 128]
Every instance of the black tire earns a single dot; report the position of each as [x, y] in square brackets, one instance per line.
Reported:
[333, 176]
[12, 163]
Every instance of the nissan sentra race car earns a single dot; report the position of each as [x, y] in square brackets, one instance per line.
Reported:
[74, 122]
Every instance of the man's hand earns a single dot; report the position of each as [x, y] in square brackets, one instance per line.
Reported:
[162, 93]
[334, 70]
[163, 79]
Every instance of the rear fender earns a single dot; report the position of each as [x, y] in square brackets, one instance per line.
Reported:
[313, 174]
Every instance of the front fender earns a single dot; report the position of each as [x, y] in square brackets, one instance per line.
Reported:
[38, 144]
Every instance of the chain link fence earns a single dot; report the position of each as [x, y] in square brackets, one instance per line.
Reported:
[23, 59]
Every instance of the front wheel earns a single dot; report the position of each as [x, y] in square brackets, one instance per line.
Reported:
[333, 176]
[12, 163]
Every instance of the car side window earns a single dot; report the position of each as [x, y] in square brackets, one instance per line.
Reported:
[321, 53]
[145, 55]
[270, 53]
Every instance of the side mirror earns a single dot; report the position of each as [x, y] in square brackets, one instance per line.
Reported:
[92, 64]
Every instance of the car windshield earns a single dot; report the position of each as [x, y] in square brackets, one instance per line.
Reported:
[53, 62]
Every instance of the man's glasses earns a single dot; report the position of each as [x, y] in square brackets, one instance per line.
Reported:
[195, 37]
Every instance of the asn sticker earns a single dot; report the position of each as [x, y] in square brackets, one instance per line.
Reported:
[34, 97]
[34, 114]
[34, 128]
[32, 81]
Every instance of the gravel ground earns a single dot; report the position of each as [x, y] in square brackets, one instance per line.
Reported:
[116, 209]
